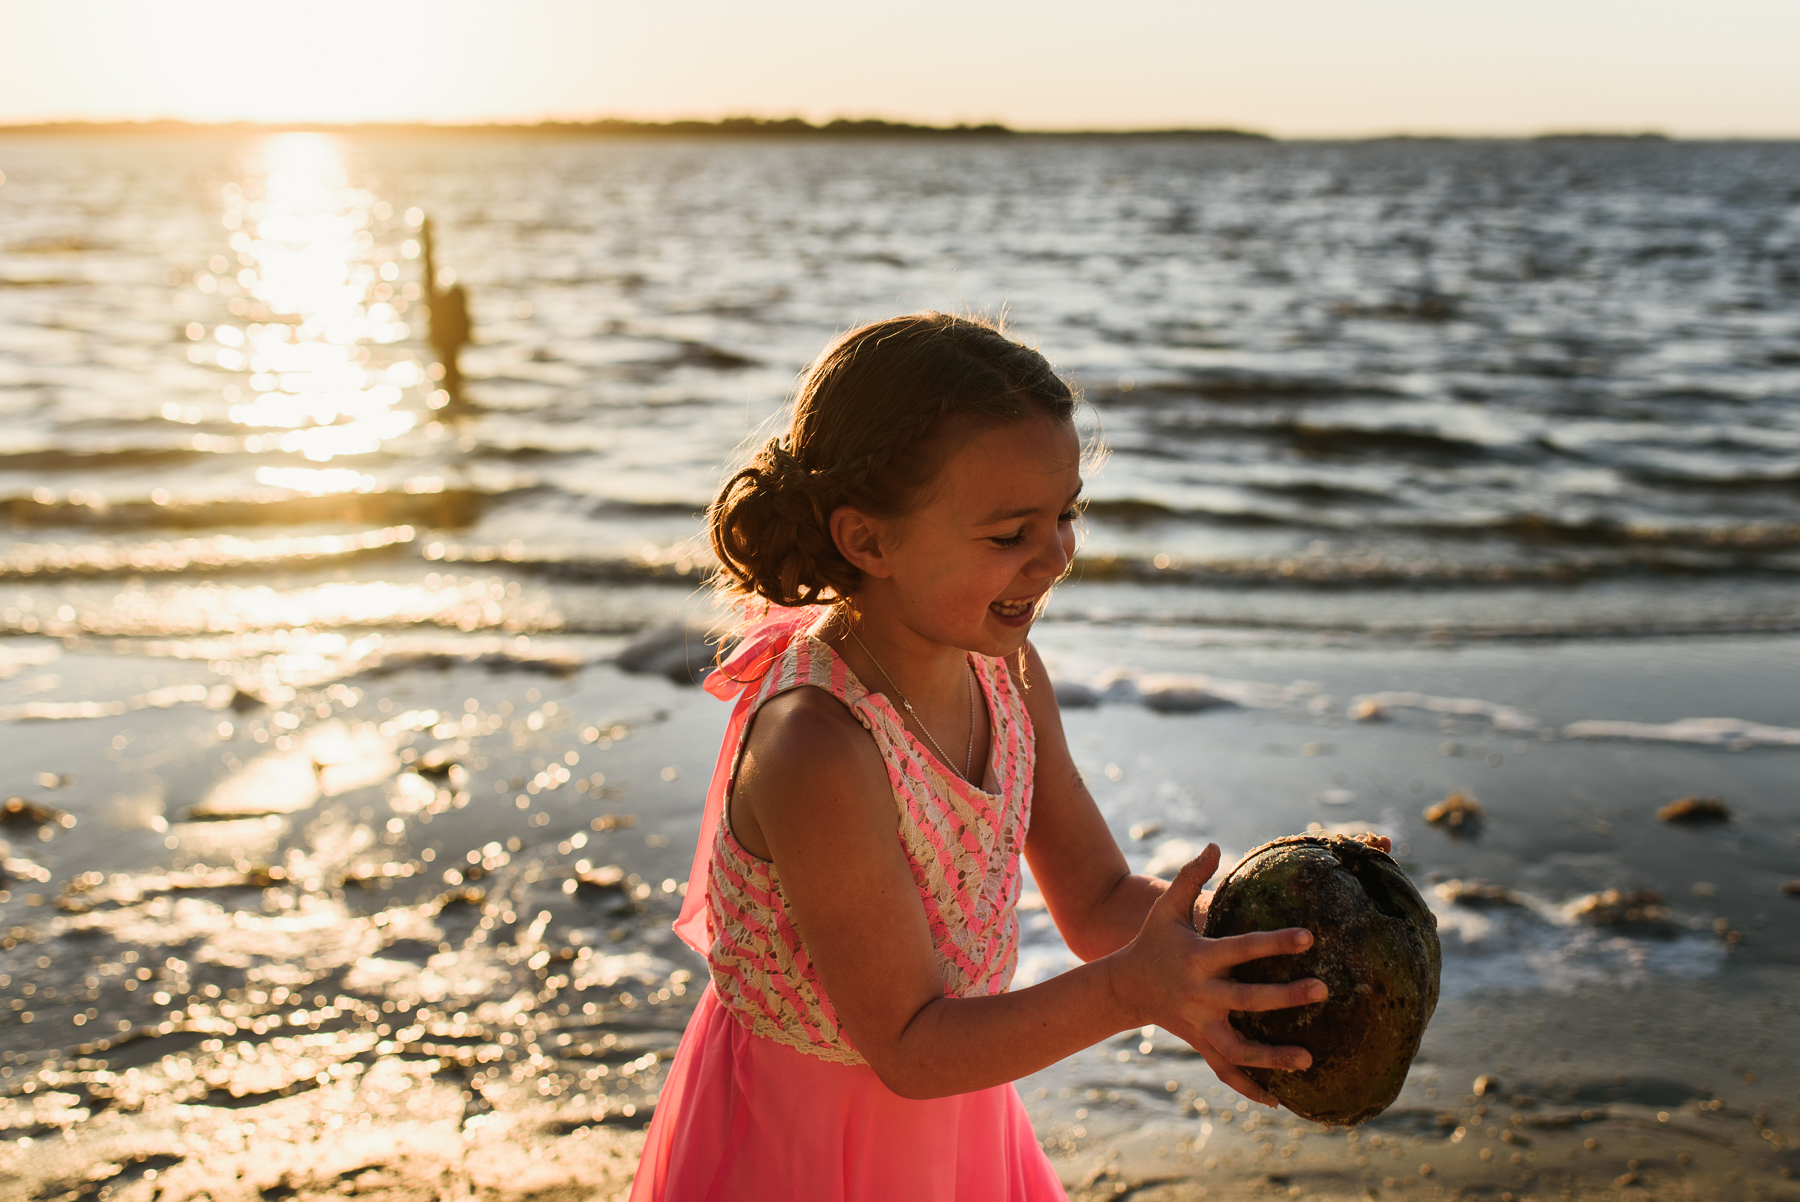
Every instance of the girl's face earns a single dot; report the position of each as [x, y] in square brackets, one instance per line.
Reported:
[973, 565]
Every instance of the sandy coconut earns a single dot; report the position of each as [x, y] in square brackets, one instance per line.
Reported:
[1375, 946]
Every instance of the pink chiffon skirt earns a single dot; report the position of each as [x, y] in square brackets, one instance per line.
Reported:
[746, 1119]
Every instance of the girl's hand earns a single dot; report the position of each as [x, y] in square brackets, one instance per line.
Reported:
[1180, 980]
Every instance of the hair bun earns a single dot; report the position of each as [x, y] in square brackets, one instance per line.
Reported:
[781, 466]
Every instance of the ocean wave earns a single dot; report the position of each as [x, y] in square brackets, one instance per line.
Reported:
[214, 696]
[1371, 706]
[16, 658]
[1379, 568]
[1733, 733]
[65, 459]
[51, 561]
[424, 501]
[1736, 734]
[1232, 384]
[1170, 692]
[476, 604]
[1561, 554]
[649, 563]
[1316, 438]
[1525, 943]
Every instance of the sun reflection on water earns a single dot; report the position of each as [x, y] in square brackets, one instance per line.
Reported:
[318, 290]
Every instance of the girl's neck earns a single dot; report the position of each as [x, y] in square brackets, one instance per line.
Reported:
[887, 654]
[928, 684]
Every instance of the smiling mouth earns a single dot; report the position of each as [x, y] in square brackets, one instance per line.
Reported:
[1014, 609]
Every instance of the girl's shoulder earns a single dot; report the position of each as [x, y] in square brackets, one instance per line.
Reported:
[802, 723]
[809, 703]
[805, 758]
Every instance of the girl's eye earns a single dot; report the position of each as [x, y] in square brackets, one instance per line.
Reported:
[1008, 540]
[1069, 514]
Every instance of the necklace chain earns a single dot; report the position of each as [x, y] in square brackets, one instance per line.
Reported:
[969, 754]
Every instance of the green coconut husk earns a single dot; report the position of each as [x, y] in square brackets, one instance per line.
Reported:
[1375, 946]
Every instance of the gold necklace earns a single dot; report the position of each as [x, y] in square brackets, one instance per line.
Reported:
[968, 755]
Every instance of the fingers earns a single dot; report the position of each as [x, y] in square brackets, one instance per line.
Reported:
[1238, 949]
[1238, 1050]
[1184, 891]
[1198, 914]
[1222, 1068]
[1235, 1077]
[1238, 996]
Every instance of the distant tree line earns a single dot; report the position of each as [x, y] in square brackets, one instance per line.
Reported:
[727, 127]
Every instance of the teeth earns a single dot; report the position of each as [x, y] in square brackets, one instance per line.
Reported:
[1011, 609]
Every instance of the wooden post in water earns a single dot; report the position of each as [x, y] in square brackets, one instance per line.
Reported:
[450, 327]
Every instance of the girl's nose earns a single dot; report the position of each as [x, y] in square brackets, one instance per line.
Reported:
[1053, 559]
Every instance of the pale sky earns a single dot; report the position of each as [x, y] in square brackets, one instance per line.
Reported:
[1289, 67]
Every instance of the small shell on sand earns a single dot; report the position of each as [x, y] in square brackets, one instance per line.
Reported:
[1458, 813]
[1791, 888]
[1695, 810]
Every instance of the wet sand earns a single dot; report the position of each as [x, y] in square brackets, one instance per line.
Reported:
[427, 955]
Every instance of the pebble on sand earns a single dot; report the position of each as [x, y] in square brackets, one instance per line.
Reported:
[1791, 888]
[607, 876]
[1458, 813]
[1695, 810]
[1477, 894]
[1641, 909]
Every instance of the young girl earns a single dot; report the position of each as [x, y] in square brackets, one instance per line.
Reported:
[858, 868]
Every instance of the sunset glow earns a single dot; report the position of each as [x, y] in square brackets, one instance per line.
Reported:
[316, 289]
[1307, 67]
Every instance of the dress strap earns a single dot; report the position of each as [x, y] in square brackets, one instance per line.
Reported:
[742, 676]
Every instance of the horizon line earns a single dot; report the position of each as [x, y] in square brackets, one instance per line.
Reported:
[749, 125]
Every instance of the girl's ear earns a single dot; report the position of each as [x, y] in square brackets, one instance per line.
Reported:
[859, 539]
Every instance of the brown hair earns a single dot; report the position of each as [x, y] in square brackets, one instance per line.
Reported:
[867, 431]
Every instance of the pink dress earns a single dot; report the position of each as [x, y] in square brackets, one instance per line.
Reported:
[766, 1097]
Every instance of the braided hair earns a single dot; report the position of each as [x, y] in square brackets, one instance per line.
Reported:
[874, 419]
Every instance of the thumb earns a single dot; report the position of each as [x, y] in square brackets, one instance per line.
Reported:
[1184, 890]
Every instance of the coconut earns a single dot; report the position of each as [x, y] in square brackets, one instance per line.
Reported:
[1374, 945]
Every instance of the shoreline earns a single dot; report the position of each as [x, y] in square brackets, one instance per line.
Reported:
[363, 1021]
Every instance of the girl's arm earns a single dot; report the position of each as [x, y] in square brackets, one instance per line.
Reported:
[1096, 900]
[813, 795]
